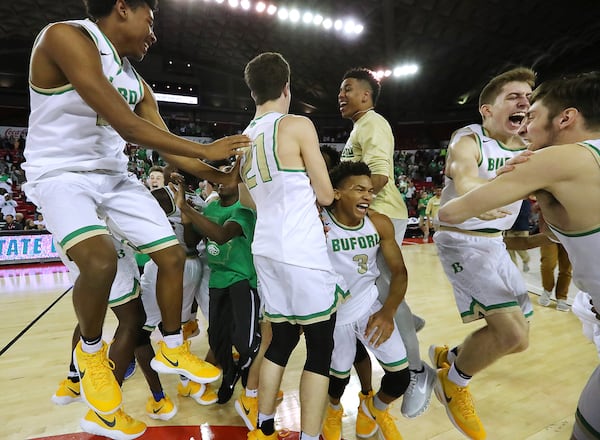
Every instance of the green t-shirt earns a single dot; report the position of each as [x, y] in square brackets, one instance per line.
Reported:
[232, 261]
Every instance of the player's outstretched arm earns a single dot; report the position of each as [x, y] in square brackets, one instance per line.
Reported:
[543, 169]
[70, 55]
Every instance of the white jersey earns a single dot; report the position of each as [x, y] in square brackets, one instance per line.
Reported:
[584, 247]
[493, 156]
[353, 253]
[288, 226]
[65, 133]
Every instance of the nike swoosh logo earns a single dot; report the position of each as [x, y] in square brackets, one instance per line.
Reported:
[175, 364]
[102, 53]
[448, 399]
[73, 391]
[246, 410]
[81, 374]
[156, 411]
[107, 422]
[422, 388]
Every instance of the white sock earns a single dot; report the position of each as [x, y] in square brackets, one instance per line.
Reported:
[251, 393]
[174, 341]
[91, 348]
[455, 376]
[305, 436]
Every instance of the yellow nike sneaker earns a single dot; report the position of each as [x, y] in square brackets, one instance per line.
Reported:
[164, 409]
[118, 425]
[384, 421]
[257, 434]
[438, 354]
[180, 360]
[67, 392]
[365, 425]
[203, 394]
[247, 408]
[459, 406]
[98, 385]
[332, 425]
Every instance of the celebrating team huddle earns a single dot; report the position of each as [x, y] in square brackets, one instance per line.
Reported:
[292, 247]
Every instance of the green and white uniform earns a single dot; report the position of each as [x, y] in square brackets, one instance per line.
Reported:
[75, 166]
[295, 278]
[353, 253]
[484, 279]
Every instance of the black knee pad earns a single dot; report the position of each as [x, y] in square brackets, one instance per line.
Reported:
[319, 346]
[395, 383]
[284, 340]
[337, 386]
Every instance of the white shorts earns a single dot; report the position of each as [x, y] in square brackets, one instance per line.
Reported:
[126, 285]
[192, 275]
[484, 278]
[295, 294]
[582, 308]
[72, 204]
[391, 354]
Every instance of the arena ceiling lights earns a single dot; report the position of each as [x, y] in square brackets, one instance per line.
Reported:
[401, 71]
[293, 15]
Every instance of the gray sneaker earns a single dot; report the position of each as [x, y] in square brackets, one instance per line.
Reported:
[544, 299]
[562, 305]
[416, 398]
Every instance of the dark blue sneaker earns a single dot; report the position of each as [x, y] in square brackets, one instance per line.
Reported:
[130, 370]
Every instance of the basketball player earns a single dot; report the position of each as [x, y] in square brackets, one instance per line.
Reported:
[487, 285]
[86, 101]
[353, 241]
[563, 125]
[286, 176]
[126, 304]
[202, 393]
[371, 141]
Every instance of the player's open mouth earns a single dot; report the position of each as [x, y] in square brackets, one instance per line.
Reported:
[362, 207]
[516, 119]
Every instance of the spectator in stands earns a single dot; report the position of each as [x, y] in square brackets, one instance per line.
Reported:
[433, 206]
[29, 225]
[421, 209]
[5, 182]
[8, 205]
[11, 224]
[39, 222]
[20, 219]
[18, 176]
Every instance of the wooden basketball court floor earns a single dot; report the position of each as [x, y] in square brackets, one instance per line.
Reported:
[532, 395]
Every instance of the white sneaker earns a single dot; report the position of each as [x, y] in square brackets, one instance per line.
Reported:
[416, 397]
[562, 306]
[544, 299]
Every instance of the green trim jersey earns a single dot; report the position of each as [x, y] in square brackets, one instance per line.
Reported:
[371, 141]
[583, 247]
[65, 133]
[288, 226]
[232, 261]
[493, 156]
[353, 253]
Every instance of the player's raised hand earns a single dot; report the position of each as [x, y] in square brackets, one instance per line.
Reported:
[510, 164]
[226, 147]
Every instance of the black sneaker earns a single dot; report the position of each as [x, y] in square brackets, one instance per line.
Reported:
[230, 378]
